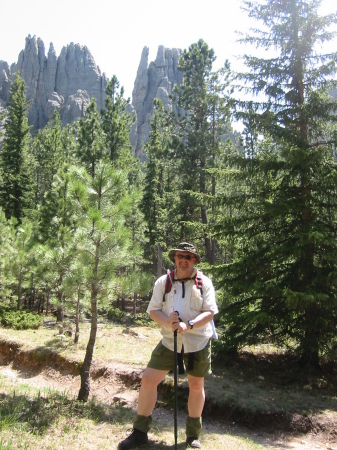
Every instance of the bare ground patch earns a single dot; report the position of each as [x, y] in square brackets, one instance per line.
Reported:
[273, 427]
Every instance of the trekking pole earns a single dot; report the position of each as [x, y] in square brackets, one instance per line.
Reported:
[175, 391]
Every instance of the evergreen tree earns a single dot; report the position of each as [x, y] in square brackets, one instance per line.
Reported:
[50, 153]
[18, 258]
[90, 144]
[117, 122]
[44, 276]
[75, 288]
[160, 201]
[5, 251]
[101, 203]
[136, 280]
[56, 215]
[57, 225]
[281, 284]
[198, 137]
[16, 164]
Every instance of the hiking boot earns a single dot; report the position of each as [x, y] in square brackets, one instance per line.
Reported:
[193, 442]
[135, 439]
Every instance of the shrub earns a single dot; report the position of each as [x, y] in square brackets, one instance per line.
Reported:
[115, 314]
[21, 320]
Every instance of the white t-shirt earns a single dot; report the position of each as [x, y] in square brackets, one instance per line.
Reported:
[189, 307]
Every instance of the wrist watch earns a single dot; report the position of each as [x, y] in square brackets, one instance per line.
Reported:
[191, 324]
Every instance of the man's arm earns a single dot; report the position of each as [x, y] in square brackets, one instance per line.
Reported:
[159, 317]
[200, 321]
[173, 320]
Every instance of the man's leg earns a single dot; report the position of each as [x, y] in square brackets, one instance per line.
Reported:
[148, 390]
[196, 398]
[196, 401]
[146, 403]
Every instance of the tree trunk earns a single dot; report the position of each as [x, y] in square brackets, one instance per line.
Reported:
[77, 317]
[310, 342]
[159, 261]
[134, 304]
[60, 311]
[84, 392]
[203, 213]
[47, 304]
[309, 345]
[19, 289]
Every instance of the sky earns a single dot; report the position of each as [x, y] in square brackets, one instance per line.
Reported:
[116, 31]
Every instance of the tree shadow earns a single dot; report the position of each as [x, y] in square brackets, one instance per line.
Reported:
[160, 445]
[42, 411]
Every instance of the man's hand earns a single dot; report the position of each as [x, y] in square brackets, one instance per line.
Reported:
[174, 320]
[176, 324]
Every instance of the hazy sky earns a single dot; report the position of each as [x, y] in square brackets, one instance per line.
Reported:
[115, 31]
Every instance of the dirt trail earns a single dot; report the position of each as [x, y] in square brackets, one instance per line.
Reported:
[109, 388]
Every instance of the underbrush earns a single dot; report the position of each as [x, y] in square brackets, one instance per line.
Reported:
[20, 320]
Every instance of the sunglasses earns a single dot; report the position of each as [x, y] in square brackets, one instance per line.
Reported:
[188, 257]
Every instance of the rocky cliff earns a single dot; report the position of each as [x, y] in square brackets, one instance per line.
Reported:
[154, 80]
[67, 83]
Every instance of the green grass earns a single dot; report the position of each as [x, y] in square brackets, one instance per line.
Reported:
[112, 343]
[32, 418]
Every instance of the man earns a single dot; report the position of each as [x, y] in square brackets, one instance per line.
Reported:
[188, 310]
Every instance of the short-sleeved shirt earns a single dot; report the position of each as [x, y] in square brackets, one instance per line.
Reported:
[189, 307]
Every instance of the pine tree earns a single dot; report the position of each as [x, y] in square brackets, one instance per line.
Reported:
[17, 258]
[117, 122]
[281, 284]
[16, 164]
[51, 153]
[136, 280]
[57, 226]
[90, 144]
[6, 238]
[101, 203]
[199, 135]
[160, 199]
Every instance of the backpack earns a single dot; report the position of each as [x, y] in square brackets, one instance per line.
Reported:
[170, 279]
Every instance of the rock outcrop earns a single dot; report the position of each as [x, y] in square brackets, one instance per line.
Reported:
[154, 80]
[4, 83]
[66, 83]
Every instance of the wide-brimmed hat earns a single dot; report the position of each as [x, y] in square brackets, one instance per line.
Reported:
[184, 247]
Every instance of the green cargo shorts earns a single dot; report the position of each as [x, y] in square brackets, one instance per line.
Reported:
[163, 359]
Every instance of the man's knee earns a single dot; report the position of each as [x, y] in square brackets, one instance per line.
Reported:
[152, 377]
[196, 383]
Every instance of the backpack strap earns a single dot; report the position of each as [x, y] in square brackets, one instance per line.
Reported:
[198, 280]
[170, 278]
[168, 282]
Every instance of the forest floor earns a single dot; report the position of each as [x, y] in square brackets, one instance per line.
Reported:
[266, 398]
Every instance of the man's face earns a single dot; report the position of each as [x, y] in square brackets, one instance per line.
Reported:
[184, 260]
